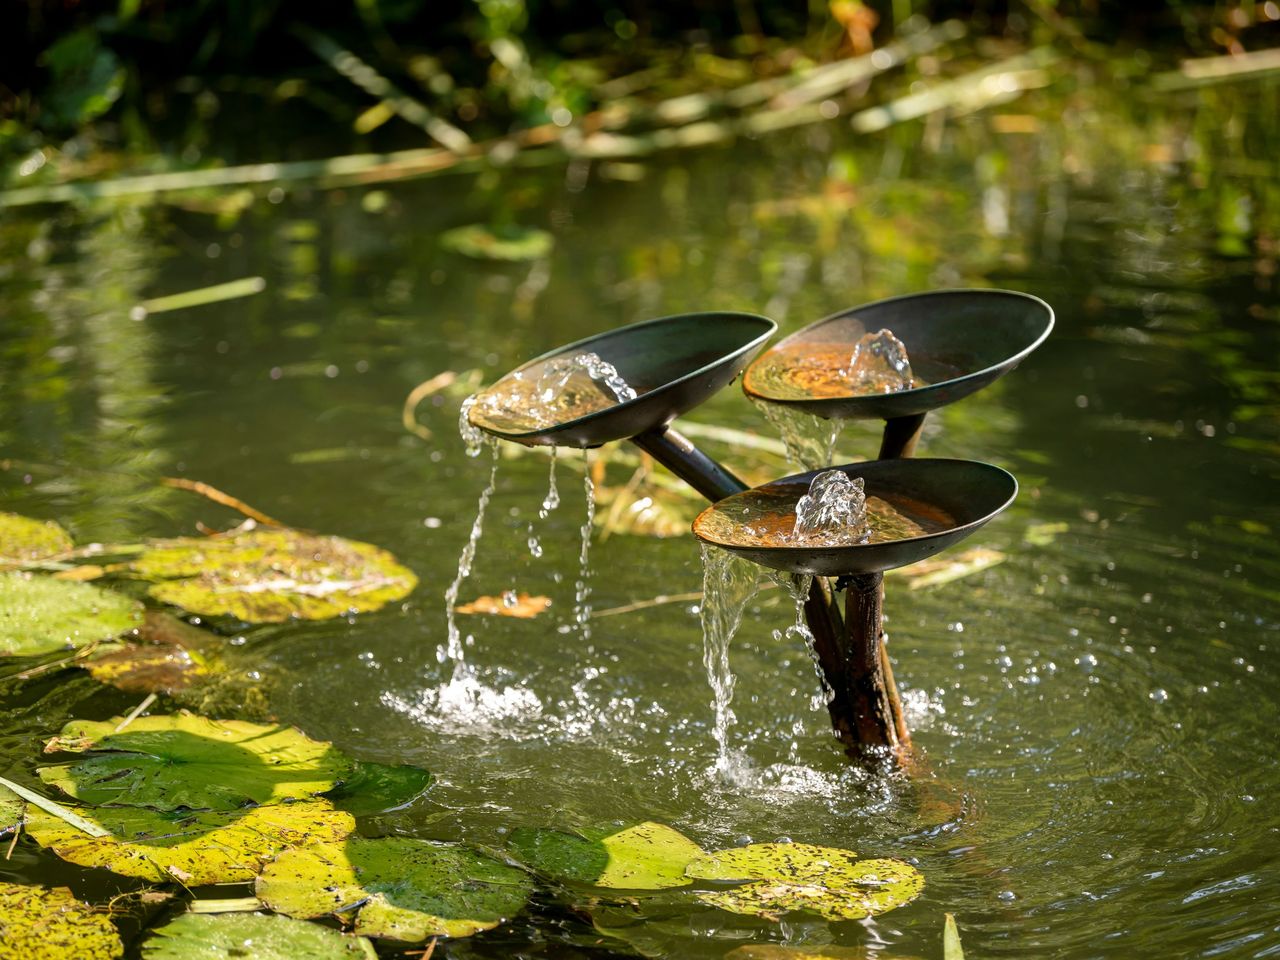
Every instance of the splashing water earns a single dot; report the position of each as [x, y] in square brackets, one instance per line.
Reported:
[473, 438]
[454, 648]
[565, 389]
[549, 503]
[833, 512]
[582, 586]
[728, 584]
[810, 440]
[798, 586]
[879, 364]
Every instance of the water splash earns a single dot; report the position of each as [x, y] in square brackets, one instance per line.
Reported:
[549, 503]
[879, 364]
[582, 587]
[473, 438]
[798, 587]
[728, 584]
[810, 440]
[454, 650]
[833, 512]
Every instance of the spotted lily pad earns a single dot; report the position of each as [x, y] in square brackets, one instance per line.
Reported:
[168, 657]
[228, 936]
[269, 576]
[786, 877]
[220, 846]
[397, 888]
[23, 540]
[647, 856]
[175, 761]
[42, 923]
[41, 615]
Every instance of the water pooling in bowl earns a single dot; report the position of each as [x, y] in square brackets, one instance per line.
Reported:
[564, 389]
[811, 370]
[767, 517]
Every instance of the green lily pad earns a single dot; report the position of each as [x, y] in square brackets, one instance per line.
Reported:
[219, 846]
[23, 540]
[227, 936]
[11, 808]
[774, 951]
[41, 615]
[647, 856]
[786, 877]
[402, 889]
[42, 923]
[378, 787]
[498, 243]
[177, 761]
[269, 576]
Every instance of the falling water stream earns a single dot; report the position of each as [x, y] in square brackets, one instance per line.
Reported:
[810, 440]
[728, 584]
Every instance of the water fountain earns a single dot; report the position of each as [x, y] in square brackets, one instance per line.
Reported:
[894, 359]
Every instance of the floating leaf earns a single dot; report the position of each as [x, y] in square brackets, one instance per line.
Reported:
[222, 846]
[648, 856]
[508, 605]
[269, 576]
[169, 762]
[951, 949]
[41, 923]
[23, 540]
[40, 615]
[787, 877]
[498, 243]
[403, 889]
[377, 787]
[195, 936]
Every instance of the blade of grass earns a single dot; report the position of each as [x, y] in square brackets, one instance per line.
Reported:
[55, 809]
[951, 949]
[231, 290]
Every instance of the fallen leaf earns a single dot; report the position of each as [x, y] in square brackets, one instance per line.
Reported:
[510, 604]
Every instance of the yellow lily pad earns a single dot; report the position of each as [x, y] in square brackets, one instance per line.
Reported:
[176, 761]
[647, 856]
[42, 923]
[395, 887]
[269, 576]
[786, 877]
[219, 846]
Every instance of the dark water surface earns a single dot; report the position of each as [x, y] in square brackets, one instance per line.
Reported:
[1098, 712]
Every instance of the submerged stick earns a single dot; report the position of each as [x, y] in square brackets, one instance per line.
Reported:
[417, 395]
[217, 496]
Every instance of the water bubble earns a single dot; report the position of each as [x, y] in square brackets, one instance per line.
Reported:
[1159, 695]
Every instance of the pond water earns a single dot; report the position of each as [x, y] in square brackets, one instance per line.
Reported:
[1097, 713]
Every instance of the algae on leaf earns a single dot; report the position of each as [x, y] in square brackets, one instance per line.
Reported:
[23, 540]
[41, 923]
[396, 888]
[222, 846]
[194, 936]
[269, 576]
[41, 615]
[647, 856]
[170, 762]
[786, 877]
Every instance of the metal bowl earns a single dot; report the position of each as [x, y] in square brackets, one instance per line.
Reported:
[958, 341]
[673, 363]
[952, 499]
